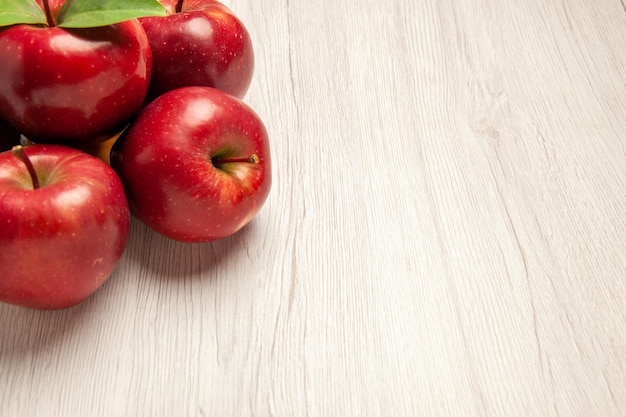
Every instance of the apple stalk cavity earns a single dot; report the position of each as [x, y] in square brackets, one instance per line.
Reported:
[219, 161]
[61, 242]
[178, 191]
[19, 153]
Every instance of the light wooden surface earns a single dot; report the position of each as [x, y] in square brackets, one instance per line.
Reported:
[446, 233]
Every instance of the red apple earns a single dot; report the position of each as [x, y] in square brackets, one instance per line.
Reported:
[199, 43]
[9, 137]
[195, 164]
[72, 85]
[64, 225]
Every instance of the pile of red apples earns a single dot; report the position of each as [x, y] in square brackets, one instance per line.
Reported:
[113, 110]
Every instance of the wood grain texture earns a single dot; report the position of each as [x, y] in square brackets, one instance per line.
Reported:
[445, 234]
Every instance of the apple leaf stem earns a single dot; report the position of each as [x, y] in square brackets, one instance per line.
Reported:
[252, 159]
[179, 6]
[49, 18]
[20, 154]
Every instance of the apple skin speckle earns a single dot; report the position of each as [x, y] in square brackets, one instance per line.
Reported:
[203, 45]
[200, 182]
[60, 242]
[61, 86]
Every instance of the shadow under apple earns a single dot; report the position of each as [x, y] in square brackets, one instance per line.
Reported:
[25, 331]
[165, 258]
[150, 256]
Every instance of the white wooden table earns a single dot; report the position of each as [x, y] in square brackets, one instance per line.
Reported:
[445, 236]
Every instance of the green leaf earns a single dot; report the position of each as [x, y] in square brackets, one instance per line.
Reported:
[13, 12]
[94, 13]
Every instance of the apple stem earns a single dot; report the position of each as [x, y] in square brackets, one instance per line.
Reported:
[252, 159]
[179, 6]
[19, 152]
[49, 18]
